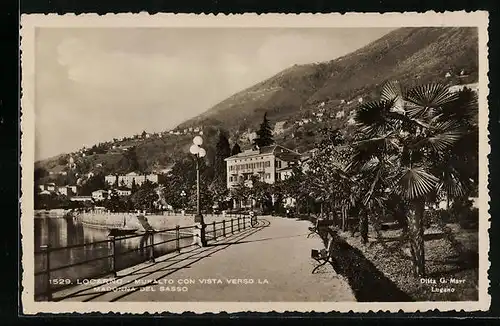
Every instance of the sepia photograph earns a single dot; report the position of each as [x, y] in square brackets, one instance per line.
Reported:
[305, 163]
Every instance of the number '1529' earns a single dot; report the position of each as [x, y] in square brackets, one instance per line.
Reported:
[60, 281]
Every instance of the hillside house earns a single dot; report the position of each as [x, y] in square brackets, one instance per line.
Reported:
[279, 127]
[99, 194]
[340, 114]
[81, 198]
[457, 88]
[63, 190]
[129, 179]
[111, 179]
[50, 186]
[123, 192]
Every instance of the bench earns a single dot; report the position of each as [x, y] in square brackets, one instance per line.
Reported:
[322, 256]
[320, 223]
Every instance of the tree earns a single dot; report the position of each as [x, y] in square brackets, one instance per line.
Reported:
[130, 162]
[261, 193]
[239, 192]
[146, 196]
[264, 134]
[113, 202]
[410, 145]
[133, 187]
[95, 182]
[40, 173]
[236, 149]
[222, 151]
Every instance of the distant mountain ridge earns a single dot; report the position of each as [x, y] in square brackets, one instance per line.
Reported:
[411, 55]
[301, 94]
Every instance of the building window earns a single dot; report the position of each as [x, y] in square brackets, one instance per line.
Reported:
[268, 175]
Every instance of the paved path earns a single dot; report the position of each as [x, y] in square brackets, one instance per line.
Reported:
[273, 259]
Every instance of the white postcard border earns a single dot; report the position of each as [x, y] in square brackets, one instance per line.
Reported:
[29, 24]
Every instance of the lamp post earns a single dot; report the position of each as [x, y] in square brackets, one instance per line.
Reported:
[183, 201]
[199, 153]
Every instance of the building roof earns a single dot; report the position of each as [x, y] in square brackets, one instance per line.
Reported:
[265, 150]
[100, 190]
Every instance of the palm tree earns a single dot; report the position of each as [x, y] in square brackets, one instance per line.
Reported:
[416, 144]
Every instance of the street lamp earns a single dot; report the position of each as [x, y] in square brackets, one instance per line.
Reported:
[183, 196]
[198, 152]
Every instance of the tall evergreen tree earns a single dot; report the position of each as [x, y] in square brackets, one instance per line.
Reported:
[236, 149]
[222, 150]
[264, 134]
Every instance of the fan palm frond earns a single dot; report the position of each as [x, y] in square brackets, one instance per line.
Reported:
[453, 186]
[415, 183]
[425, 99]
[443, 135]
[393, 91]
[374, 116]
[465, 107]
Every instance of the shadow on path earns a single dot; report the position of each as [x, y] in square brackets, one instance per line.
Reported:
[257, 240]
[367, 282]
[162, 265]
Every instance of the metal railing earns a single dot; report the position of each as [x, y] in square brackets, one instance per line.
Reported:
[152, 244]
[223, 228]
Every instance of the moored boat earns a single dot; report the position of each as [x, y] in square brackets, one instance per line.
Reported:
[121, 231]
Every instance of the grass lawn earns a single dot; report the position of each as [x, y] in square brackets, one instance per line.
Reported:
[456, 263]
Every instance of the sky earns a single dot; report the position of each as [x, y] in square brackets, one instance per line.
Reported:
[96, 84]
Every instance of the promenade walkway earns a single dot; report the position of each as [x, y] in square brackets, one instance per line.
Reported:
[270, 262]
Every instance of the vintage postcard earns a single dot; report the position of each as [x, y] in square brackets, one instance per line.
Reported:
[234, 163]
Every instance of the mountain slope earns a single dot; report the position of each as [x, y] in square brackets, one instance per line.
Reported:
[411, 55]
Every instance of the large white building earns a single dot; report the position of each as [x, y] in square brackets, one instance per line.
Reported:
[269, 163]
[128, 180]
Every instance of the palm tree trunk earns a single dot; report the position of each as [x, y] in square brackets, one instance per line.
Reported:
[344, 219]
[363, 227]
[416, 233]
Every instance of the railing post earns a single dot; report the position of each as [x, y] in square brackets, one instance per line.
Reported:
[48, 290]
[232, 226]
[177, 239]
[238, 224]
[213, 229]
[152, 247]
[113, 255]
[244, 222]
[224, 228]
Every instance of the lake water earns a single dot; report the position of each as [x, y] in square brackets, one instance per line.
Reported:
[64, 232]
